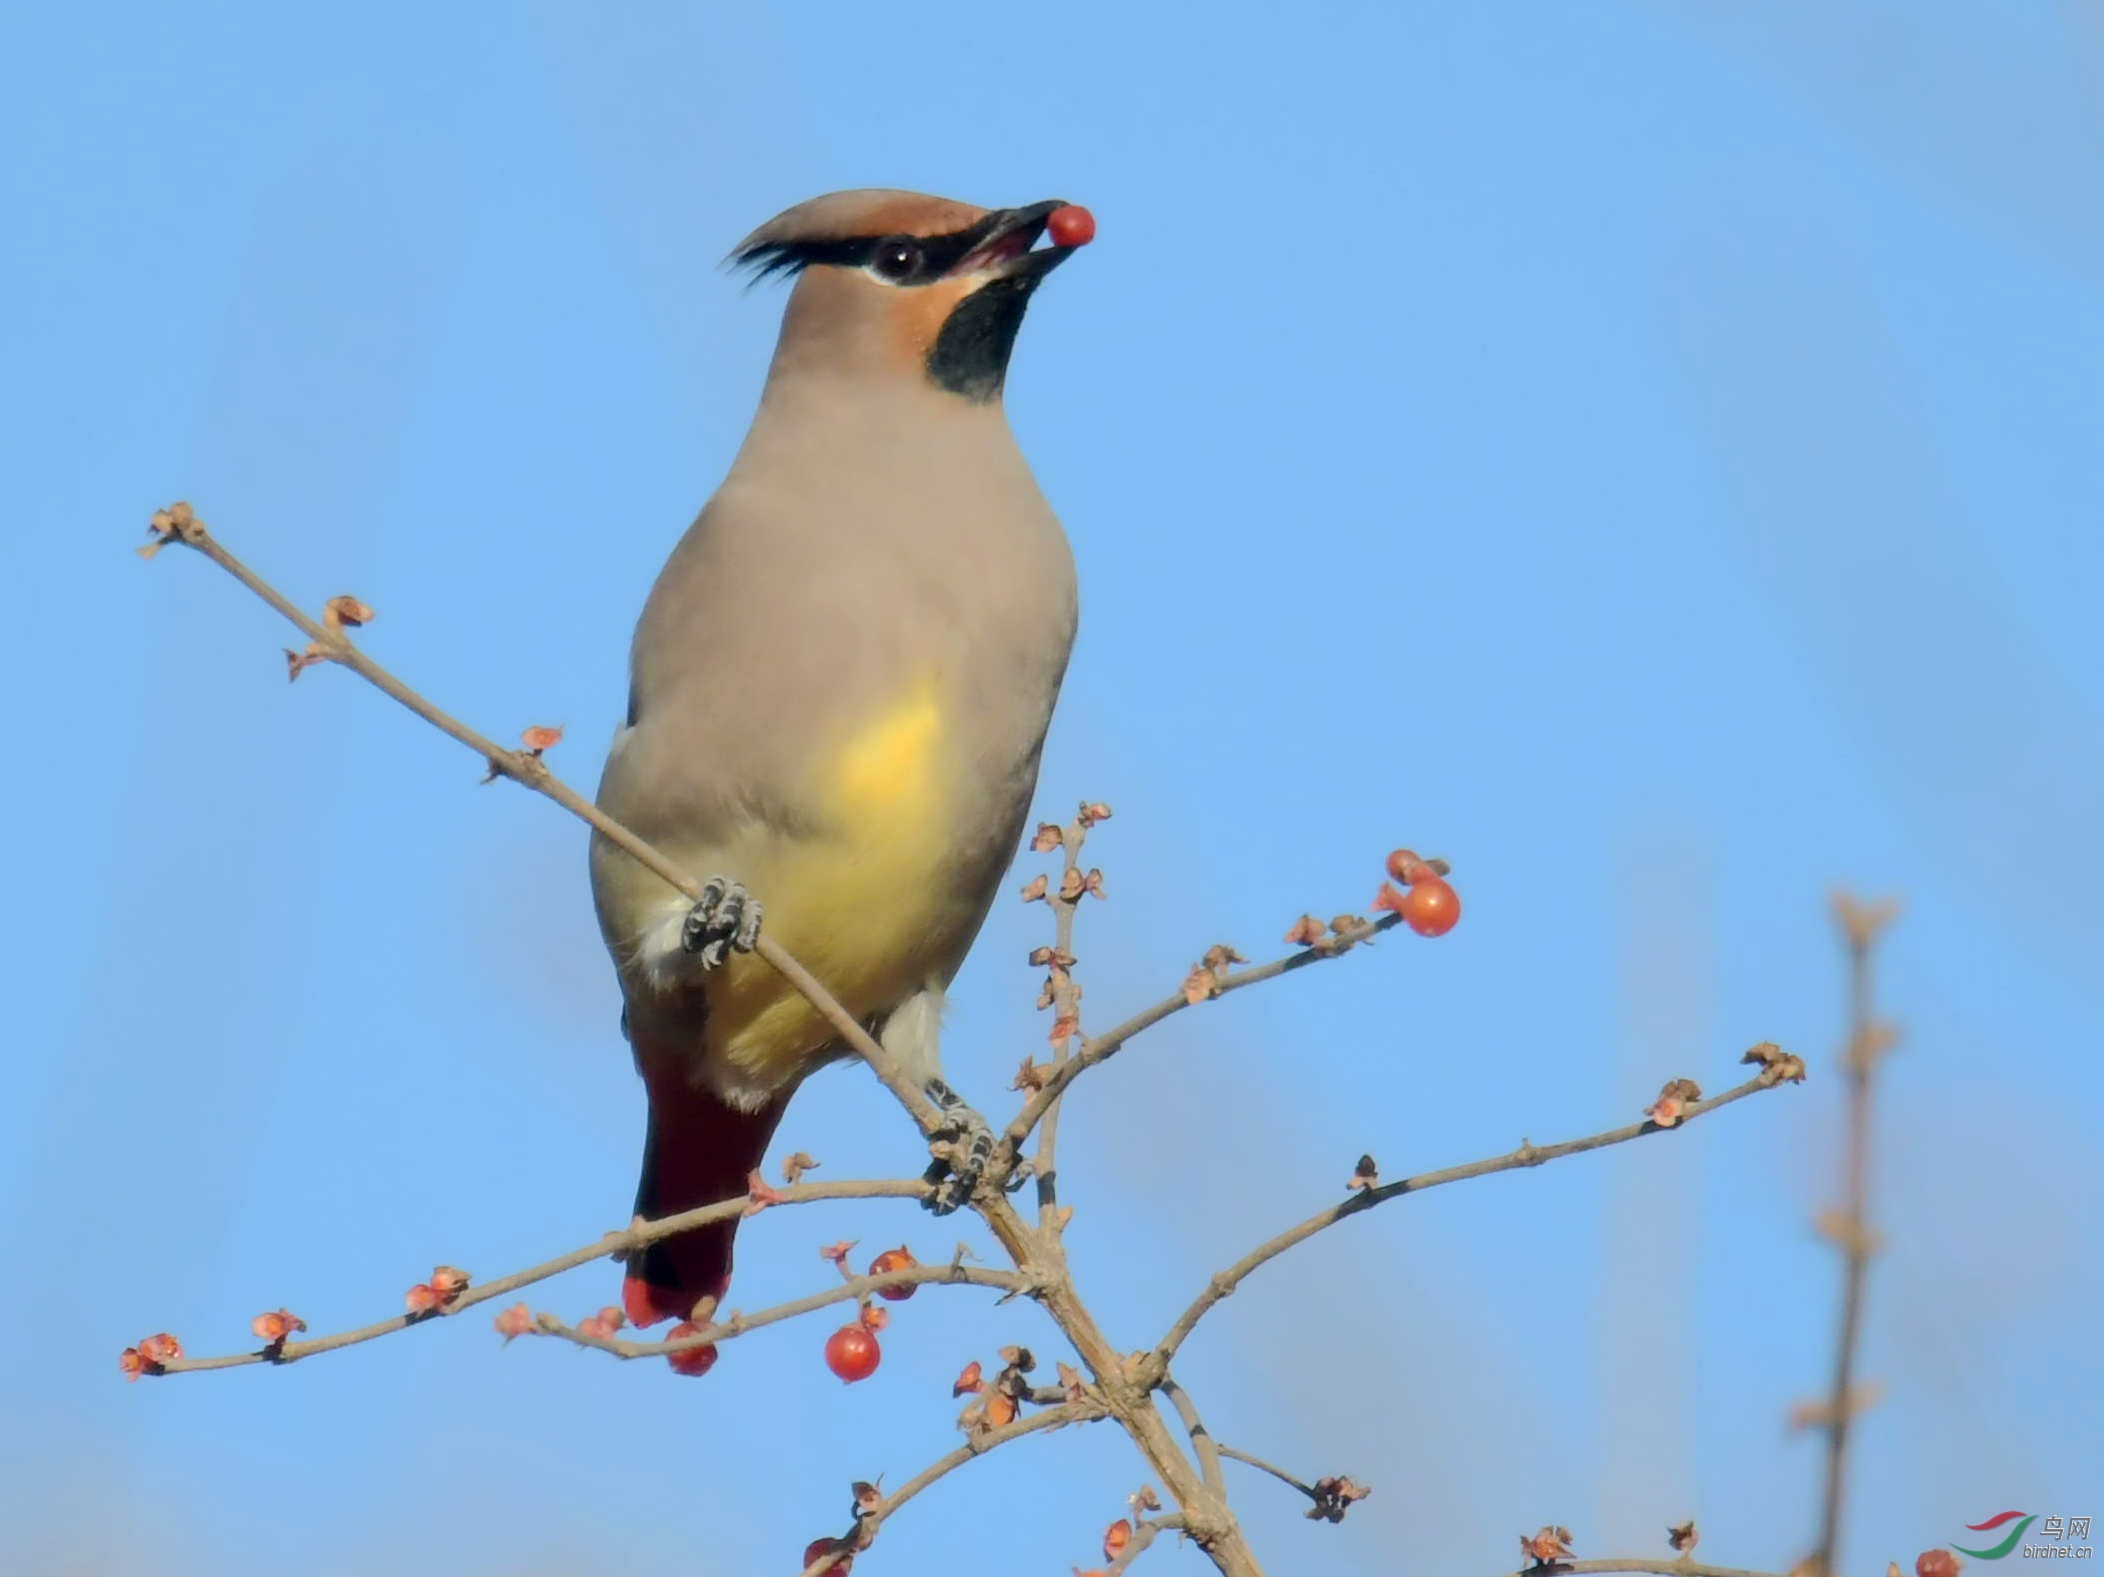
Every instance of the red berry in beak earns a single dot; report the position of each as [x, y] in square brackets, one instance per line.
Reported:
[1072, 225]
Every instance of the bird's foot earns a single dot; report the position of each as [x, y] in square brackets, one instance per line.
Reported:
[970, 1142]
[725, 918]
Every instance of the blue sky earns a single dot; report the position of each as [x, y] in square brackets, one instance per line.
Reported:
[1648, 457]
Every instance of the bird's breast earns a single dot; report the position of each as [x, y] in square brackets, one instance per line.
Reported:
[868, 897]
[892, 797]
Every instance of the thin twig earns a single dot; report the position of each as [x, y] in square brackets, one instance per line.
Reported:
[1058, 1417]
[1202, 1440]
[1527, 1155]
[1145, 1530]
[1276, 1472]
[177, 523]
[1066, 1007]
[612, 1245]
[1125, 1389]
[1330, 1497]
[734, 1325]
[1102, 1047]
[1861, 925]
[865, 1529]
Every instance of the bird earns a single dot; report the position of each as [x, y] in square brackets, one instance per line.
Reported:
[839, 690]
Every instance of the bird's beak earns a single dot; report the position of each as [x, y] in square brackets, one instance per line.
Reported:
[1004, 250]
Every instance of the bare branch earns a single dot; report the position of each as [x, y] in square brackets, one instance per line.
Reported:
[1144, 1532]
[1087, 1411]
[1527, 1155]
[1276, 1472]
[1124, 1386]
[1066, 1009]
[1331, 1497]
[1861, 925]
[177, 523]
[865, 1528]
[1202, 1440]
[612, 1245]
[1102, 1048]
[852, 1291]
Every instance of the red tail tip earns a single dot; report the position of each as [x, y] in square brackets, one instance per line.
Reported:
[646, 1305]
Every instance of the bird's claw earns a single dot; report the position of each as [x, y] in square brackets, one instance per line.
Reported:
[725, 918]
[971, 1151]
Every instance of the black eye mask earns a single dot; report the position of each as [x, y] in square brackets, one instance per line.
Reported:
[920, 259]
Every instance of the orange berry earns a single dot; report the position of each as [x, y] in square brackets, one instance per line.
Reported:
[1431, 907]
[1115, 1538]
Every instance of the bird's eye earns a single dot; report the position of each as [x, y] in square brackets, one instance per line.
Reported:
[896, 258]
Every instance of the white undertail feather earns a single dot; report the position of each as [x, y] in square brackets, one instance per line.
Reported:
[657, 945]
[913, 1034]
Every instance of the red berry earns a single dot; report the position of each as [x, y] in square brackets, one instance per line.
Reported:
[695, 1360]
[820, 1547]
[1072, 225]
[1431, 907]
[1935, 1563]
[852, 1353]
[888, 1262]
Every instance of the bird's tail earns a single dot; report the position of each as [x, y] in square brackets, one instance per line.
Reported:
[699, 1151]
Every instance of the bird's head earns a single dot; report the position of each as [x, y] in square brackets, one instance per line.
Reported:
[897, 284]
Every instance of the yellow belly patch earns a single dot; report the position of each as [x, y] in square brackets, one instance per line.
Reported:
[856, 906]
[891, 761]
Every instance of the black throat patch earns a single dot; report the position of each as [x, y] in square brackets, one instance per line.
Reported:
[970, 355]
